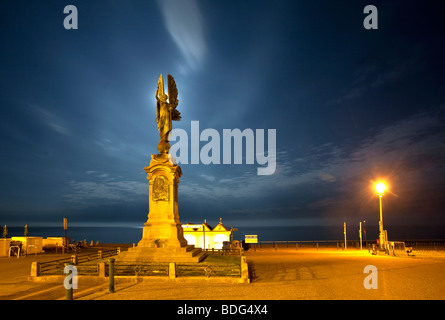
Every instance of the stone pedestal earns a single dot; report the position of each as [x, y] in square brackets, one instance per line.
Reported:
[162, 236]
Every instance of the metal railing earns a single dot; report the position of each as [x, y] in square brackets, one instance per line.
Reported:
[224, 251]
[426, 245]
[54, 266]
[207, 270]
[338, 244]
[134, 269]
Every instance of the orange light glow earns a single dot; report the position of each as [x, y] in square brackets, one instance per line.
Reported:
[380, 188]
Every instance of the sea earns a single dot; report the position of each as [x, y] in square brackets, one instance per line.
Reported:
[281, 233]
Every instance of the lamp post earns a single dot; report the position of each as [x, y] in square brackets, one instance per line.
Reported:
[364, 231]
[204, 235]
[380, 189]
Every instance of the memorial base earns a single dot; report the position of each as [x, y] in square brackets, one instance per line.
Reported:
[162, 237]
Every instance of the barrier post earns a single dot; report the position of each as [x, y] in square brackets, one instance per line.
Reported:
[35, 269]
[172, 270]
[69, 288]
[111, 275]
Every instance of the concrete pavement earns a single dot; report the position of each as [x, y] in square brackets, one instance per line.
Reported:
[285, 274]
[312, 274]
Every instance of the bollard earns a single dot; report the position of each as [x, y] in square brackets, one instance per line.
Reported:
[111, 275]
[69, 289]
[296, 247]
[101, 269]
[244, 270]
[99, 253]
[74, 259]
[172, 270]
[35, 269]
[317, 246]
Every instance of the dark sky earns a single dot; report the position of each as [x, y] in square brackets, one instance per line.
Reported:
[349, 106]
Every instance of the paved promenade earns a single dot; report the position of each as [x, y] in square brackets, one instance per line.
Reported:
[285, 274]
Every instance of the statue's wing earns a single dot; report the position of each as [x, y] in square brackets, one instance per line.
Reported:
[173, 98]
[172, 92]
[176, 115]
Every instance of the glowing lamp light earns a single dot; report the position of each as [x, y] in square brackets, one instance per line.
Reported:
[380, 188]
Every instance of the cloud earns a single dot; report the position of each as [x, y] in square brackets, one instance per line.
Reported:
[93, 193]
[374, 73]
[331, 179]
[51, 120]
[207, 177]
[327, 177]
[408, 154]
[418, 136]
[184, 22]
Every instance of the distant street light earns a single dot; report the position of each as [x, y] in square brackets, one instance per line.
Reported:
[380, 188]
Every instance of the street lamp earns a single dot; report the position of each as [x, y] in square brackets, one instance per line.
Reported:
[380, 189]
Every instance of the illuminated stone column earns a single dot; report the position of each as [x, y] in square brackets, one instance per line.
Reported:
[163, 228]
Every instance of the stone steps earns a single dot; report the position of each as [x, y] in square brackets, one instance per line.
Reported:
[182, 254]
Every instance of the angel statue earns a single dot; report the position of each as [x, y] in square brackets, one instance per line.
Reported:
[166, 111]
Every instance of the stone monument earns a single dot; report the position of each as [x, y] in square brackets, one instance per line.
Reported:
[162, 236]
